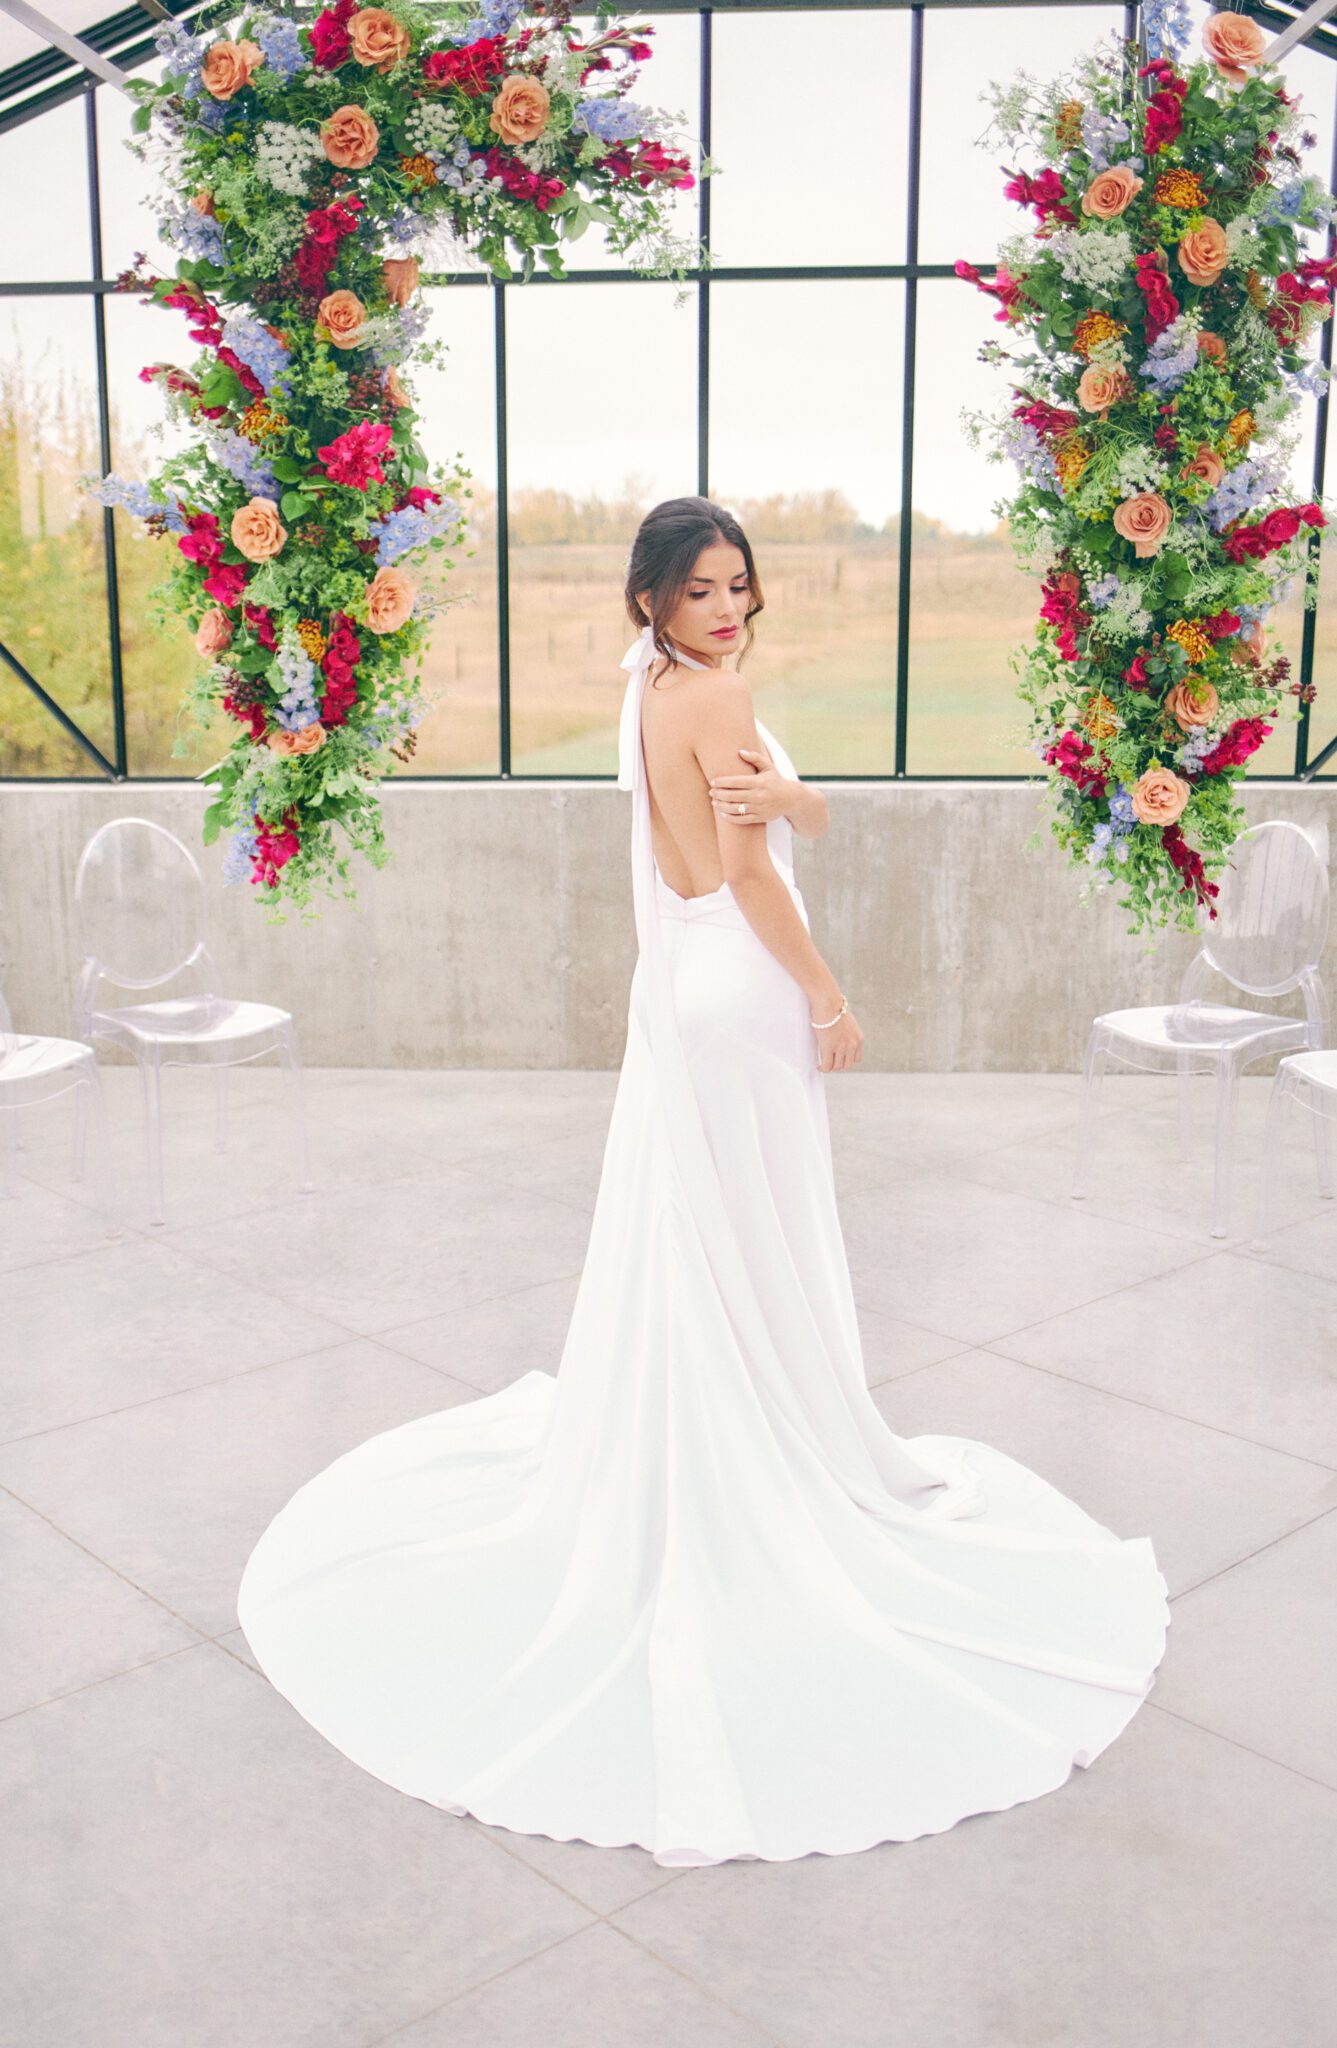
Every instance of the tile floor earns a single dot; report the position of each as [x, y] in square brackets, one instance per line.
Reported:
[187, 1865]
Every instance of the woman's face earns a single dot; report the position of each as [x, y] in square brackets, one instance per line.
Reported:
[708, 620]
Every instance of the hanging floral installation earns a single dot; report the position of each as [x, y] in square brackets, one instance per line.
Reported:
[310, 173]
[1161, 317]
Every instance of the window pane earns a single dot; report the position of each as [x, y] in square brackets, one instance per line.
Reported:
[457, 401]
[584, 469]
[157, 662]
[127, 188]
[670, 82]
[773, 200]
[53, 599]
[962, 211]
[47, 155]
[969, 603]
[805, 391]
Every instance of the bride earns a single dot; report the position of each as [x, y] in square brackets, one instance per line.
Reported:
[691, 1592]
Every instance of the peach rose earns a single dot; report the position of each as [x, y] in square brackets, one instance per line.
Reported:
[351, 138]
[342, 314]
[1203, 252]
[394, 390]
[1101, 387]
[304, 741]
[203, 204]
[1254, 642]
[256, 532]
[227, 67]
[520, 110]
[213, 633]
[1235, 44]
[1212, 347]
[1206, 465]
[1144, 520]
[390, 600]
[1110, 192]
[1192, 702]
[399, 275]
[1159, 796]
[378, 40]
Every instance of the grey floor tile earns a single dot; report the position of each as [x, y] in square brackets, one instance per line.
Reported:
[492, 1343]
[92, 1333]
[976, 1262]
[39, 1223]
[1254, 1653]
[447, 1239]
[1205, 1499]
[597, 1989]
[200, 1868]
[1178, 1890]
[1229, 1341]
[66, 1619]
[892, 1347]
[175, 1492]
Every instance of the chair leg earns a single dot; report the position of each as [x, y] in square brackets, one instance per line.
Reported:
[150, 1074]
[220, 1109]
[292, 1081]
[80, 1130]
[1184, 1062]
[9, 1181]
[1322, 1146]
[1272, 1129]
[1227, 1093]
[95, 1111]
[1093, 1072]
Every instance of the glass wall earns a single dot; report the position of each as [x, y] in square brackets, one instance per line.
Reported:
[813, 378]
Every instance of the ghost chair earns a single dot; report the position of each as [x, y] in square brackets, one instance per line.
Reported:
[1309, 1079]
[1266, 940]
[37, 1069]
[141, 906]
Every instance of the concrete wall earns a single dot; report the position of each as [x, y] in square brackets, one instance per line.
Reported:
[501, 935]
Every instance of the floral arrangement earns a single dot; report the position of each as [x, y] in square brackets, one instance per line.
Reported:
[310, 171]
[1161, 310]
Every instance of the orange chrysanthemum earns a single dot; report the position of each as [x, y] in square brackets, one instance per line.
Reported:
[313, 640]
[419, 170]
[1068, 127]
[1242, 428]
[1190, 636]
[1180, 188]
[1095, 328]
[261, 422]
[1070, 460]
[1100, 719]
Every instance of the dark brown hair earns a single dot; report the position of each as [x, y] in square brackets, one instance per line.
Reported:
[663, 558]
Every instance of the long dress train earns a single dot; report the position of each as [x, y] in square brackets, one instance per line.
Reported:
[692, 1592]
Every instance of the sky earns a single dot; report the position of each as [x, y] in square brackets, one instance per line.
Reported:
[806, 378]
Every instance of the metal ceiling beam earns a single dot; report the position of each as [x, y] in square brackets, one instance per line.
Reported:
[79, 53]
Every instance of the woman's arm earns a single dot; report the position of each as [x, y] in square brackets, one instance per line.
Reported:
[808, 812]
[723, 726]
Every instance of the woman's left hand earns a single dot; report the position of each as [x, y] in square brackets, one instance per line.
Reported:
[763, 791]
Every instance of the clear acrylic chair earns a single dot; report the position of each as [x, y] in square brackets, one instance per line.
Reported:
[37, 1069]
[141, 904]
[1266, 940]
[1310, 1079]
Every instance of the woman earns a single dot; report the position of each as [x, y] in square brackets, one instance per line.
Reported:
[692, 1592]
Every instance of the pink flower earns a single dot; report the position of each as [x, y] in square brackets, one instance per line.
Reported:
[331, 44]
[213, 633]
[354, 458]
[227, 583]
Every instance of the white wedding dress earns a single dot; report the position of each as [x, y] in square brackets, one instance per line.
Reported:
[692, 1592]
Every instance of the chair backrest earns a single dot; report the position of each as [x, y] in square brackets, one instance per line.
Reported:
[140, 901]
[1272, 913]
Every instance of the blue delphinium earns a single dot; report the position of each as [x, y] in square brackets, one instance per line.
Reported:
[610, 120]
[297, 706]
[1166, 25]
[1100, 592]
[1246, 486]
[282, 47]
[185, 58]
[122, 490]
[411, 527]
[494, 18]
[240, 460]
[1171, 356]
[197, 235]
[252, 341]
[237, 859]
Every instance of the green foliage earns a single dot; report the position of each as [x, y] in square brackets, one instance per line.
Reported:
[1159, 321]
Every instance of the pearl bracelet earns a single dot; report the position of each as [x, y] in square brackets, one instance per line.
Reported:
[844, 1005]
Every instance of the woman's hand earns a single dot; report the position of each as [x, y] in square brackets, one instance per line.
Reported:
[839, 1047]
[763, 791]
